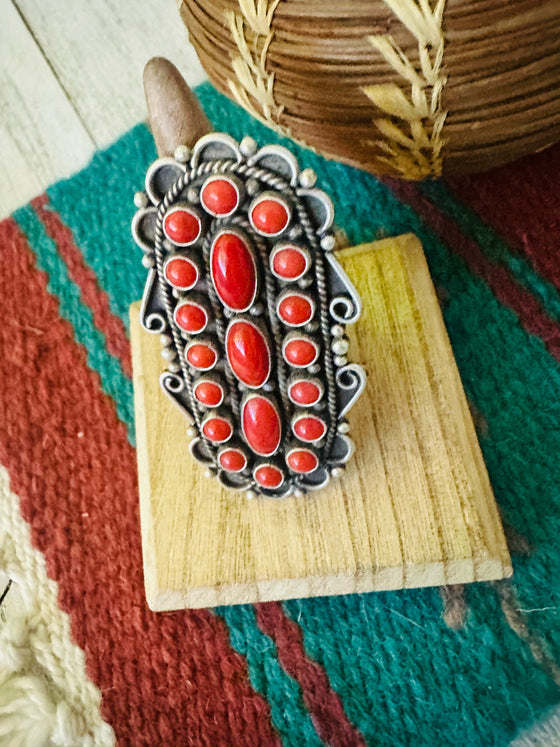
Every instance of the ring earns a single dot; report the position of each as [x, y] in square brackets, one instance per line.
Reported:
[251, 306]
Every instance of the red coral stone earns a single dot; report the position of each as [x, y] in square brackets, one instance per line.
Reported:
[232, 460]
[261, 425]
[233, 271]
[270, 216]
[182, 226]
[309, 428]
[201, 356]
[181, 272]
[295, 309]
[208, 393]
[302, 461]
[269, 476]
[217, 429]
[300, 352]
[219, 196]
[191, 317]
[289, 262]
[305, 392]
[248, 353]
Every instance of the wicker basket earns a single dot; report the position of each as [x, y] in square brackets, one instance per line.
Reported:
[414, 88]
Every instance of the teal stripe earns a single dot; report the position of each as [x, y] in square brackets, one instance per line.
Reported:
[288, 713]
[97, 205]
[493, 246]
[113, 380]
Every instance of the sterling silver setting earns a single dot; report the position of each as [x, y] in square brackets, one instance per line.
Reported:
[260, 240]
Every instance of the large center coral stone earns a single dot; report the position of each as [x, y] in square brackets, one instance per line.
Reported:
[261, 425]
[248, 353]
[233, 271]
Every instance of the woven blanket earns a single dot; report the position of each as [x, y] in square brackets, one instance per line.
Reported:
[82, 659]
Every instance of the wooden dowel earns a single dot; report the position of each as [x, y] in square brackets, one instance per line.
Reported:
[174, 114]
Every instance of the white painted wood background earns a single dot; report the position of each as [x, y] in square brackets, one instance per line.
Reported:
[71, 82]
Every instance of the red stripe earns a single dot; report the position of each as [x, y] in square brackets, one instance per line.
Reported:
[166, 679]
[528, 189]
[324, 705]
[92, 295]
[529, 311]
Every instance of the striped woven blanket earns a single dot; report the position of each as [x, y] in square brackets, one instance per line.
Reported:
[82, 659]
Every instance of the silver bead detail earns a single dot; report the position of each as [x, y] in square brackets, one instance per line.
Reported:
[269, 386]
[252, 187]
[337, 472]
[169, 354]
[207, 473]
[340, 346]
[147, 261]
[311, 327]
[295, 232]
[308, 178]
[337, 330]
[256, 310]
[340, 360]
[328, 242]
[140, 199]
[299, 493]
[182, 153]
[248, 146]
[343, 426]
[193, 196]
[174, 367]
[191, 431]
[305, 282]
[251, 495]
[315, 368]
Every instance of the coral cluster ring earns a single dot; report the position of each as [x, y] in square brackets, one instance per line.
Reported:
[251, 306]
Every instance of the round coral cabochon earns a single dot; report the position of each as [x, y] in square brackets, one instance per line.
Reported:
[289, 262]
[181, 272]
[219, 196]
[268, 476]
[182, 226]
[270, 215]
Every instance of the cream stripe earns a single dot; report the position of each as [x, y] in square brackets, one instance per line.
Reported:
[45, 695]
[412, 140]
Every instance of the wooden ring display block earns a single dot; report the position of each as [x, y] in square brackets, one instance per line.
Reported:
[414, 508]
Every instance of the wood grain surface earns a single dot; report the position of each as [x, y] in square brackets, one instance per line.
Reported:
[71, 82]
[415, 507]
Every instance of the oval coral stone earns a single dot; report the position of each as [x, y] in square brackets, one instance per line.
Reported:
[219, 196]
[261, 425]
[269, 476]
[248, 353]
[201, 356]
[300, 352]
[182, 226]
[289, 263]
[309, 428]
[305, 392]
[233, 271]
[191, 317]
[295, 309]
[181, 272]
[302, 461]
[217, 429]
[208, 393]
[270, 216]
[232, 460]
